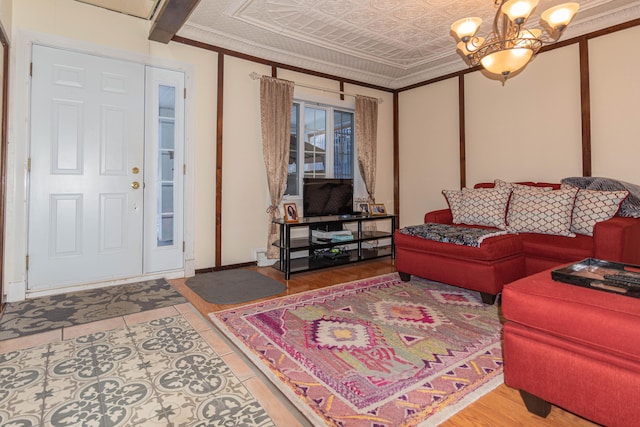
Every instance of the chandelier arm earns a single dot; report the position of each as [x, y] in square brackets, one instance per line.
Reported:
[496, 19]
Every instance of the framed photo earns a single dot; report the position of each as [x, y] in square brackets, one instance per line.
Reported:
[377, 209]
[290, 212]
[364, 208]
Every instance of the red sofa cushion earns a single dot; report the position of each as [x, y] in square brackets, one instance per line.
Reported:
[561, 248]
[593, 318]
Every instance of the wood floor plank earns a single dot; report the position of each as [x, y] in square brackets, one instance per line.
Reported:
[501, 407]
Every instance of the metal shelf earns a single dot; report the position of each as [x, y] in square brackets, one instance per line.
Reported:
[328, 254]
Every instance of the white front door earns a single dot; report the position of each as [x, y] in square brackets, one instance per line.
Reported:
[86, 169]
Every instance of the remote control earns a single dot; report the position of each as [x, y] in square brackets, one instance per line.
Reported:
[622, 279]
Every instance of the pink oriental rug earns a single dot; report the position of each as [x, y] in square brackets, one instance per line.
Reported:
[376, 352]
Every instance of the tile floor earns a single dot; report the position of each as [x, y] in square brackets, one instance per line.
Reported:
[138, 369]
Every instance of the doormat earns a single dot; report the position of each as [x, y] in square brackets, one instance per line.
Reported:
[234, 286]
[51, 312]
[373, 352]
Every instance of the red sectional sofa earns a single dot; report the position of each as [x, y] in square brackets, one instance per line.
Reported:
[503, 259]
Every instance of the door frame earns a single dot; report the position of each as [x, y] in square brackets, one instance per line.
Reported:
[17, 209]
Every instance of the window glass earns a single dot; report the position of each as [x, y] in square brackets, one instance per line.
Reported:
[311, 126]
[343, 160]
[294, 161]
[166, 167]
[315, 142]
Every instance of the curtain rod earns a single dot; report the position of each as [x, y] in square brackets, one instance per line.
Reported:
[256, 76]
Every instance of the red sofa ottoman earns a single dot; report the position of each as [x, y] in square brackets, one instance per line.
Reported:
[485, 269]
[573, 347]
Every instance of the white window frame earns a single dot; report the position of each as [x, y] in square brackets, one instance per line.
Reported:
[359, 189]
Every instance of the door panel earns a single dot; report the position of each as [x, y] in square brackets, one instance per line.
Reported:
[164, 166]
[87, 138]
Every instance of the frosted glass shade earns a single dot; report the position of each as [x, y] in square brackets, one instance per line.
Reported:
[504, 62]
[519, 10]
[466, 28]
[560, 16]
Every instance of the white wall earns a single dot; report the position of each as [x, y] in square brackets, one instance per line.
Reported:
[530, 128]
[244, 184]
[429, 151]
[5, 16]
[615, 105]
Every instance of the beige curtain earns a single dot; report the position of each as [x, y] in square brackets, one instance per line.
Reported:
[367, 141]
[276, 102]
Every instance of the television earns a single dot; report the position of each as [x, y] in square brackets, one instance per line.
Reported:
[327, 196]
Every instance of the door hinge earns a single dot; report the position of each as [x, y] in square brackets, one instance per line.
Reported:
[185, 93]
[27, 261]
[31, 69]
[184, 169]
[29, 165]
[183, 246]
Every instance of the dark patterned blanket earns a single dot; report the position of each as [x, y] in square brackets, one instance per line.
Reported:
[465, 236]
[630, 206]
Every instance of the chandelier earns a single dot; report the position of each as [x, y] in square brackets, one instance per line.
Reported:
[510, 46]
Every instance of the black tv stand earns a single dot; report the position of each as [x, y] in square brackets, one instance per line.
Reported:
[315, 242]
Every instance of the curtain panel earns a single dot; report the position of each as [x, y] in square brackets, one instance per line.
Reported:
[367, 141]
[276, 102]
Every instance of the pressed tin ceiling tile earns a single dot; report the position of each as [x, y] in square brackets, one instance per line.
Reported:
[391, 43]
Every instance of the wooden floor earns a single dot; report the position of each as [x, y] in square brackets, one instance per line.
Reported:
[501, 407]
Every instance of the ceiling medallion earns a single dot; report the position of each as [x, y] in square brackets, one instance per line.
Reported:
[510, 46]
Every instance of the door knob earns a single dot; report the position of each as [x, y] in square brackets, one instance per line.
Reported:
[135, 185]
[135, 170]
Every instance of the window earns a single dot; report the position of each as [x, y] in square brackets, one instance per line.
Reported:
[166, 167]
[322, 144]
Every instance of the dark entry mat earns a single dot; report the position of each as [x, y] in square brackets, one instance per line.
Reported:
[234, 286]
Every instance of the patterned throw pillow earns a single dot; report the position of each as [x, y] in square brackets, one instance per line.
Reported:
[593, 206]
[454, 199]
[485, 206]
[545, 212]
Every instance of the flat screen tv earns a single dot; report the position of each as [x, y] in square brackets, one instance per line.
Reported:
[327, 196]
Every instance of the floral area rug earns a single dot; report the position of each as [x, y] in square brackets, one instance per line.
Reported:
[46, 313]
[377, 352]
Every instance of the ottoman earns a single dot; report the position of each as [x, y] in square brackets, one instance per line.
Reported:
[573, 347]
[485, 269]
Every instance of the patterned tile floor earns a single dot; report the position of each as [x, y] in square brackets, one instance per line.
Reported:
[163, 367]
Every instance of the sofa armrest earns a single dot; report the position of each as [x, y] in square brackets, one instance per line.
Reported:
[617, 239]
[442, 216]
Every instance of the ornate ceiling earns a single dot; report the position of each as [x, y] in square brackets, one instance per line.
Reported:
[390, 43]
